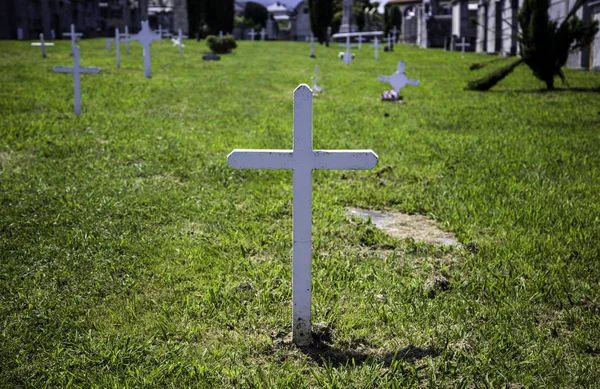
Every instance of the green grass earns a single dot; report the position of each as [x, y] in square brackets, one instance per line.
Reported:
[131, 255]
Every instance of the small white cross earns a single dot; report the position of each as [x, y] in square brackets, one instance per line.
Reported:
[463, 45]
[108, 44]
[262, 34]
[52, 34]
[159, 32]
[126, 36]
[394, 32]
[74, 35]
[398, 80]
[252, 34]
[146, 37]
[302, 160]
[76, 70]
[312, 46]
[42, 44]
[348, 55]
[390, 42]
[220, 35]
[360, 40]
[375, 45]
[179, 40]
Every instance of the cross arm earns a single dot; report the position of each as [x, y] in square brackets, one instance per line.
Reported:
[261, 159]
[62, 69]
[383, 78]
[345, 160]
[89, 70]
[35, 44]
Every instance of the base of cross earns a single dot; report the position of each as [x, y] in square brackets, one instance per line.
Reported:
[392, 96]
[312, 56]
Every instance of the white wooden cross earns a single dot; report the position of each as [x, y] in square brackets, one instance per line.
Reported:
[76, 70]
[394, 33]
[252, 34]
[108, 42]
[126, 36]
[42, 44]
[118, 46]
[146, 37]
[312, 46]
[220, 35]
[52, 34]
[375, 45]
[20, 33]
[360, 40]
[159, 32]
[179, 40]
[348, 55]
[398, 80]
[462, 45]
[302, 160]
[390, 42]
[74, 35]
[262, 34]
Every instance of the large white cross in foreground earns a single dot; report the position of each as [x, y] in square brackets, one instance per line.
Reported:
[302, 160]
[76, 70]
[398, 80]
[145, 37]
[42, 44]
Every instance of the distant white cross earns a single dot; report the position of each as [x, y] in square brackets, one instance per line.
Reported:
[394, 33]
[220, 35]
[302, 160]
[376, 47]
[179, 40]
[52, 34]
[74, 35]
[76, 70]
[360, 40]
[252, 34]
[42, 44]
[398, 80]
[462, 45]
[126, 36]
[390, 42]
[146, 37]
[118, 46]
[348, 55]
[108, 44]
[312, 46]
[262, 34]
[160, 32]
[20, 33]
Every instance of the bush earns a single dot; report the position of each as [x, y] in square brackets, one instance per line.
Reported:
[221, 46]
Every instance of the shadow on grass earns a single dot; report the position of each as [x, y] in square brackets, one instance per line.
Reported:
[595, 89]
[323, 353]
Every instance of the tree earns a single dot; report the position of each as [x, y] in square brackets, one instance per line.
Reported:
[196, 10]
[219, 15]
[321, 16]
[545, 45]
[257, 13]
[395, 17]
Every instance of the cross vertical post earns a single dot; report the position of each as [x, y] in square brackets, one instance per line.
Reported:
[360, 40]
[312, 46]
[348, 54]
[118, 46]
[376, 47]
[127, 39]
[42, 43]
[302, 160]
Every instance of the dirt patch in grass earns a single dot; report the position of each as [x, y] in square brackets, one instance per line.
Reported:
[404, 226]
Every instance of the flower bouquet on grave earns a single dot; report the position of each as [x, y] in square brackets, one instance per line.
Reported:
[390, 96]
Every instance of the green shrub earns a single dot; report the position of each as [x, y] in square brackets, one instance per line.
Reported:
[221, 46]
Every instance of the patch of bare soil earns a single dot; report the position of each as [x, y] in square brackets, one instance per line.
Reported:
[403, 226]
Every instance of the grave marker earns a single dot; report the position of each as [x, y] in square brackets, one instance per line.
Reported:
[302, 160]
[126, 36]
[390, 42]
[375, 45]
[20, 33]
[108, 44]
[52, 34]
[262, 35]
[76, 70]
[42, 44]
[312, 46]
[360, 40]
[347, 54]
[252, 34]
[398, 80]
[394, 33]
[462, 45]
[74, 35]
[146, 37]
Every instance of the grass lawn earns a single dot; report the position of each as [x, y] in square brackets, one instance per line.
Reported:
[132, 255]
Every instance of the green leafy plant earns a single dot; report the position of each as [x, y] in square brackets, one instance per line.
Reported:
[221, 46]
